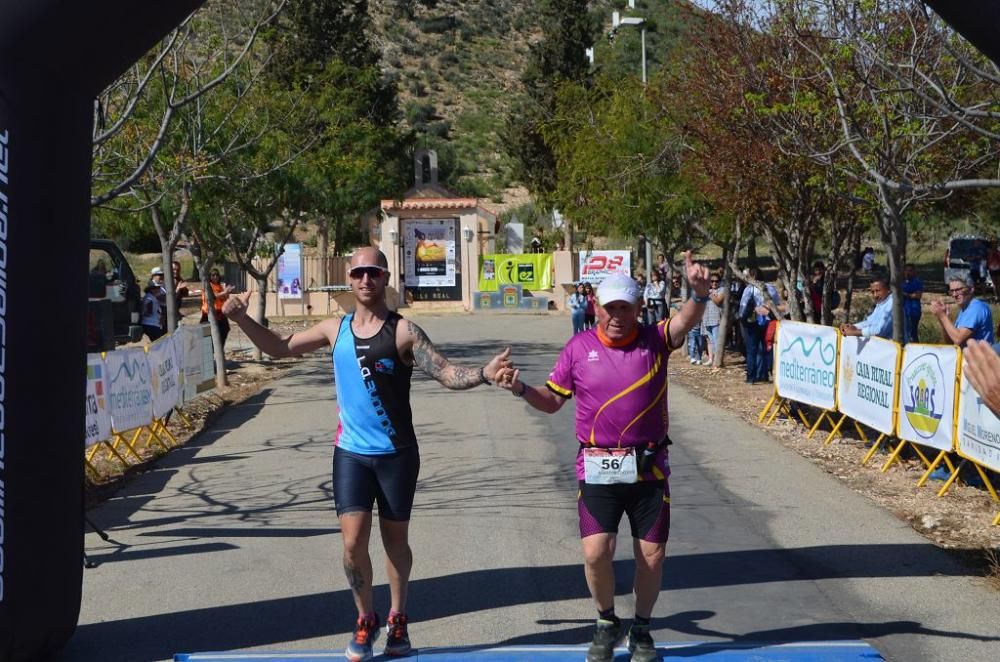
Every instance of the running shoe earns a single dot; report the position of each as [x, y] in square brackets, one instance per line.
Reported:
[606, 635]
[365, 634]
[397, 641]
[641, 645]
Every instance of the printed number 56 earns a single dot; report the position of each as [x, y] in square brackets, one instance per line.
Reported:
[611, 463]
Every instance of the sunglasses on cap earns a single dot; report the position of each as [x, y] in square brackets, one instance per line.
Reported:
[371, 271]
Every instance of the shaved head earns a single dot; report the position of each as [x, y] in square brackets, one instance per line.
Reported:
[369, 255]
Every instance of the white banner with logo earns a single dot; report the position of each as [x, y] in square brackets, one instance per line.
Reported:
[180, 338]
[595, 266]
[978, 428]
[805, 367]
[164, 370]
[98, 416]
[927, 395]
[130, 389]
[866, 390]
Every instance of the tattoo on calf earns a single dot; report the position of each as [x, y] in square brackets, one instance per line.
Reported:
[354, 578]
[428, 359]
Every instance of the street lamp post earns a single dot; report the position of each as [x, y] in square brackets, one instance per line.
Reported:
[618, 20]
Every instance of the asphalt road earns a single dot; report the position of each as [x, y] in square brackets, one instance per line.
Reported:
[232, 541]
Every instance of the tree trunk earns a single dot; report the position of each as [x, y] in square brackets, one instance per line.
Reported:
[752, 252]
[727, 302]
[893, 231]
[259, 315]
[855, 254]
[323, 244]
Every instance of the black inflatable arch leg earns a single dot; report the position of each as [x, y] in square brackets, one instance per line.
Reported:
[55, 57]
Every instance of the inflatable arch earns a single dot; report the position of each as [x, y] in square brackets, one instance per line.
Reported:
[55, 57]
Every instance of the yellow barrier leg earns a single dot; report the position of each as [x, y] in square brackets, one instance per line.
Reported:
[775, 410]
[115, 453]
[996, 520]
[815, 427]
[951, 479]
[829, 439]
[861, 432]
[872, 450]
[986, 481]
[894, 456]
[120, 439]
[95, 474]
[927, 474]
[161, 430]
[151, 436]
[184, 418]
[767, 408]
[923, 458]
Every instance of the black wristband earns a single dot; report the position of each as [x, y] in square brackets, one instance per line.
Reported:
[698, 299]
[482, 376]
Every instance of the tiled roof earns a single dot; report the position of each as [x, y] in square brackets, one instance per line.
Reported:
[430, 203]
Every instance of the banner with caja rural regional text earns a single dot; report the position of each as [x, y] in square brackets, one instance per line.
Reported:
[164, 372]
[927, 395]
[978, 436]
[805, 363]
[866, 390]
[532, 271]
[98, 421]
[130, 388]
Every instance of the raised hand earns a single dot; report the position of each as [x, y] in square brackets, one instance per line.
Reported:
[697, 275]
[235, 307]
[496, 364]
[508, 378]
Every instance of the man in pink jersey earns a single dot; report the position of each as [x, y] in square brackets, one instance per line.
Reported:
[618, 373]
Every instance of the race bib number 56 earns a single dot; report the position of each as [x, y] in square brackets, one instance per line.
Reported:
[608, 466]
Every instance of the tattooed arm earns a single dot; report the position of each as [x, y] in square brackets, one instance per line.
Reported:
[415, 347]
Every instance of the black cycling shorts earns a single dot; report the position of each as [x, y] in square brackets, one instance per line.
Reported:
[359, 481]
[647, 504]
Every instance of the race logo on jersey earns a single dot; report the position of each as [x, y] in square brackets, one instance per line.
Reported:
[385, 366]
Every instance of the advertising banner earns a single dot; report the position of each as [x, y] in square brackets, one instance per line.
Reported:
[927, 395]
[429, 252]
[290, 272]
[595, 266]
[532, 271]
[806, 363]
[164, 370]
[130, 389]
[866, 390]
[98, 416]
[978, 428]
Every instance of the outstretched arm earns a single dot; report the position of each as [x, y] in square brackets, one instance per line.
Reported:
[418, 348]
[538, 397]
[691, 312]
[235, 308]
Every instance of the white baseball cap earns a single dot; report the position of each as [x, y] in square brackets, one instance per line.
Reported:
[156, 271]
[618, 287]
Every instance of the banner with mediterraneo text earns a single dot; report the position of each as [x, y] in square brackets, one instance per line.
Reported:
[927, 395]
[98, 421]
[164, 372]
[978, 436]
[532, 271]
[130, 388]
[866, 390]
[805, 363]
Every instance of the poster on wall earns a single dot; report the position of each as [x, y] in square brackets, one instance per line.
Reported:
[290, 272]
[429, 252]
[532, 271]
[927, 395]
[805, 366]
[595, 266]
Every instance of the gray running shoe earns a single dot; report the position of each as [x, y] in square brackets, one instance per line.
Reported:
[365, 634]
[397, 640]
[606, 635]
[641, 645]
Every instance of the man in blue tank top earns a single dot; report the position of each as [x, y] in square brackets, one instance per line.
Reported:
[376, 457]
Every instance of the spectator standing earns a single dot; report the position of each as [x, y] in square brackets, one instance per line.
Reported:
[913, 291]
[753, 317]
[879, 322]
[974, 321]
[656, 298]
[993, 266]
[221, 292]
[868, 260]
[590, 310]
[180, 289]
[577, 303]
[694, 339]
[977, 255]
[643, 310]
[712, 317]
[152, 311]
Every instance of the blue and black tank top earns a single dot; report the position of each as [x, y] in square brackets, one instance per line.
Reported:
[373, 391]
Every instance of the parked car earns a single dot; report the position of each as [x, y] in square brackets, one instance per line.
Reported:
[964, 251]
[114, 297]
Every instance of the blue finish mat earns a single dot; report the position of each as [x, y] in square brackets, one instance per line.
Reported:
[817, 651]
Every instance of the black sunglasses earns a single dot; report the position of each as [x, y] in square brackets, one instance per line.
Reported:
[371, 272]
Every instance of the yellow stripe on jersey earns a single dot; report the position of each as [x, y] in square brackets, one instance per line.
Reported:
[559, 389]
[643, 412]
[643, 380]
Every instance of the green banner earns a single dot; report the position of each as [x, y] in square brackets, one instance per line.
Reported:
[532, 271]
